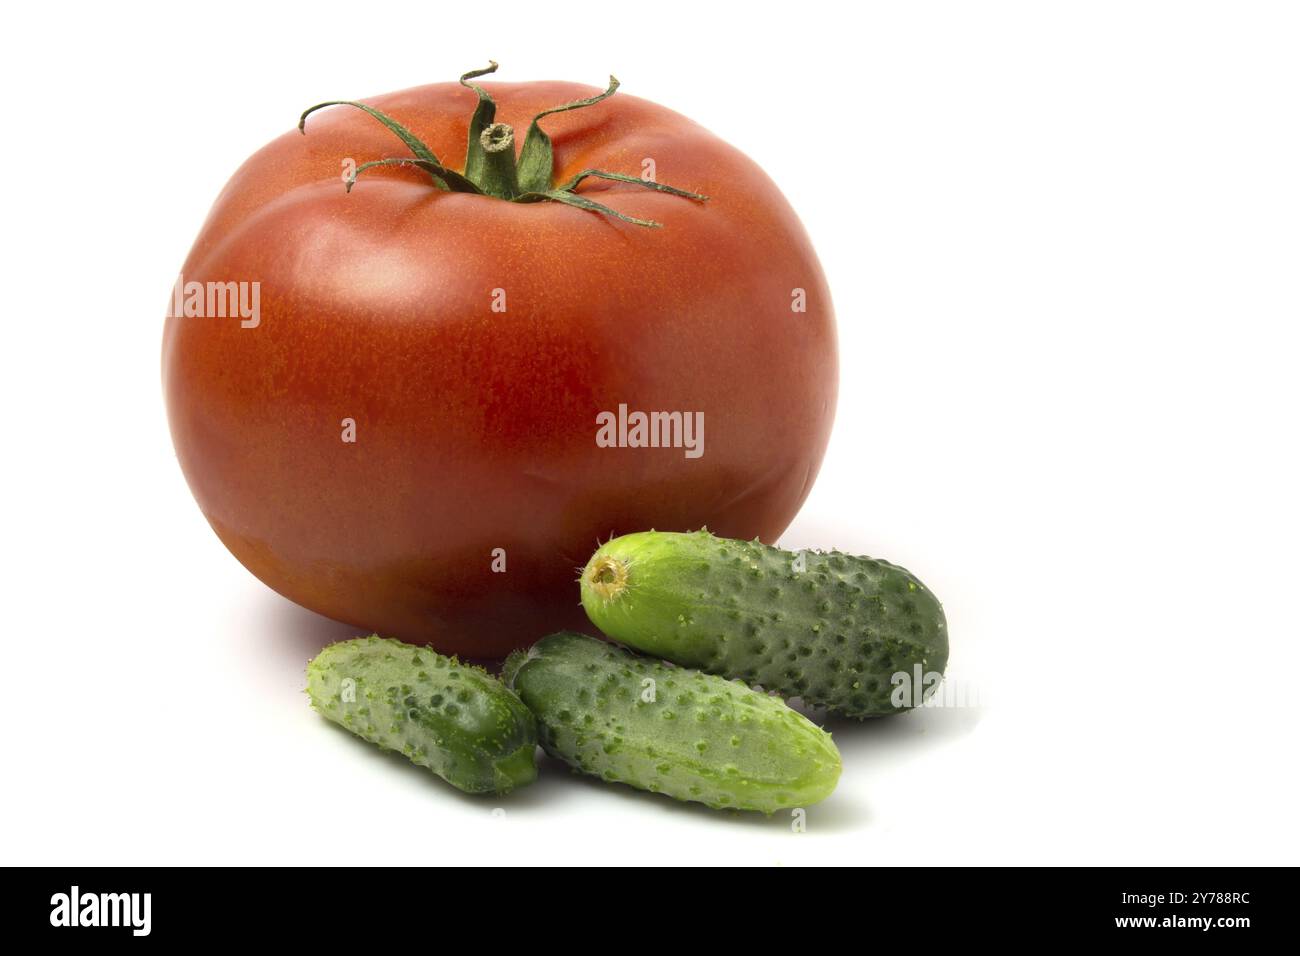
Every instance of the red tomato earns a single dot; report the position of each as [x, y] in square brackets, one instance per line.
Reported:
[475, 429]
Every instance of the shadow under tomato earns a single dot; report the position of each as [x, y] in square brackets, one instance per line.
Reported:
[301, 634]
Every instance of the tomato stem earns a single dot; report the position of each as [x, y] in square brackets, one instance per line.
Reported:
[491, 168]
[498, 176]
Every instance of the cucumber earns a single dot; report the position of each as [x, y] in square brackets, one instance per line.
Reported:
[670, 730]
[832, 629]
[457, 720]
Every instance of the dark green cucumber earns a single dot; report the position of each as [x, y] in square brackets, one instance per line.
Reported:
[457, 720]
[835, 630]
[670, 730]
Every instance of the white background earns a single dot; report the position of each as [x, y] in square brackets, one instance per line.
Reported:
[1064, 246]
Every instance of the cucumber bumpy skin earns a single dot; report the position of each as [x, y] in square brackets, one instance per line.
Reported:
[670, 730]
[833, 632]
[457, 720]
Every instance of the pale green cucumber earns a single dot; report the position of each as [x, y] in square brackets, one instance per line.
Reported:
[855, 635]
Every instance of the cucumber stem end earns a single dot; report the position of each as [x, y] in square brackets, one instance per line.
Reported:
[607, 577]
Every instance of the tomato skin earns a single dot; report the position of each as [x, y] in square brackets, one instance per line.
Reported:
[475, 429]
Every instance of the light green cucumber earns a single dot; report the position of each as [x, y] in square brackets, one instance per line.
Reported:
[854, 635]
[692, 736]
[457, 720]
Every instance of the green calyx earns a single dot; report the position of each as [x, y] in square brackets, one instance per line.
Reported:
[491, 167]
